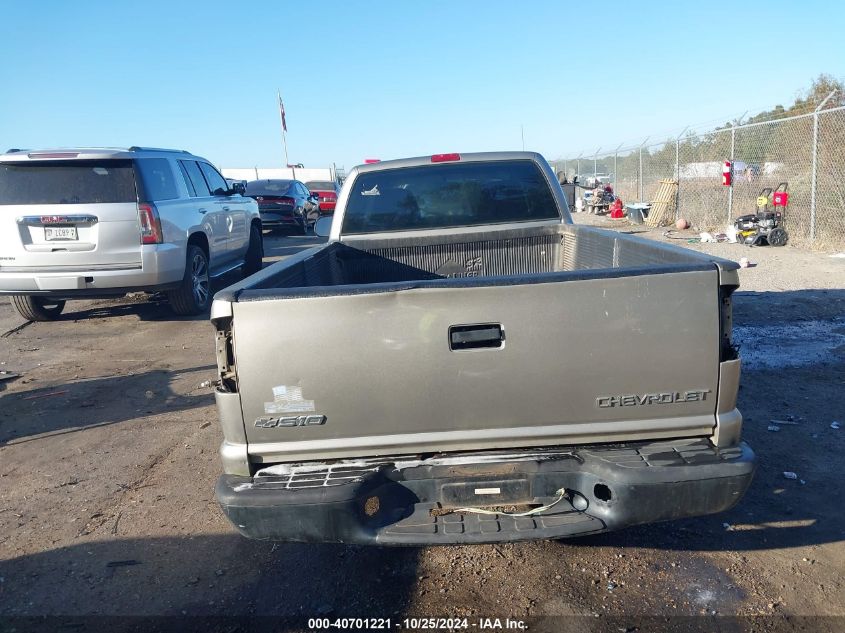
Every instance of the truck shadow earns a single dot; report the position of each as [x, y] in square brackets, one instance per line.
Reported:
[94, 402]
[209, 575]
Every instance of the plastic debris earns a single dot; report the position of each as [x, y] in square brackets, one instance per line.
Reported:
[774, 428]
[789, 474]
[205, 383]
[744, 262]
[728, 527]
[706, 237]
[786, 422]
[834, 425]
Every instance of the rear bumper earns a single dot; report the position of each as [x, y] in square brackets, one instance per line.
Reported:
[391, 503]
[161, 266]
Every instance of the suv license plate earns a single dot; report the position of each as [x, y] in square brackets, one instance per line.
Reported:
[60, 233]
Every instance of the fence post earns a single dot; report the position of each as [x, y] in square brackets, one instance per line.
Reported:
[595, 163]
[731, 188]
[640, 171]
[678, 172]
[815, 165]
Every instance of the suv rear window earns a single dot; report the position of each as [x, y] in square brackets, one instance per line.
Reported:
[449, 195]
[67, 182]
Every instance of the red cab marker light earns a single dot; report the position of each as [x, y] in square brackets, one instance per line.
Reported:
[370, 161]
[445, 158]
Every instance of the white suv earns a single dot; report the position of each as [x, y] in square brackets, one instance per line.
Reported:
[78, 223]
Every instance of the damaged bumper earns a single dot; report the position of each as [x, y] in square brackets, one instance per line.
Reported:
[401, 501]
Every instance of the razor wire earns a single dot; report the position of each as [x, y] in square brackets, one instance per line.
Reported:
[807, 152]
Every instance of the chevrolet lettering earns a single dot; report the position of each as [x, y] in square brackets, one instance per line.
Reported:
[666, 397]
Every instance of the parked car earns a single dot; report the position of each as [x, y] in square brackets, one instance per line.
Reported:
[284, 204]
[327, 192]
[80, 223]
[526, 377]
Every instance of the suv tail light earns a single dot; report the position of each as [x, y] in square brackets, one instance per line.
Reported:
[150, 224]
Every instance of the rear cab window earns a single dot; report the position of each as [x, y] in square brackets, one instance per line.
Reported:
[67, 182]
[449, 195]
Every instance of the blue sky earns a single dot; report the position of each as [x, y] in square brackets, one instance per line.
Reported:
[394, 79]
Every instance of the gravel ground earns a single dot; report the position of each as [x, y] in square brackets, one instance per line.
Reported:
[108, 458]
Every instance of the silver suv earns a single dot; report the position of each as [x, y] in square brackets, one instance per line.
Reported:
[101, 222]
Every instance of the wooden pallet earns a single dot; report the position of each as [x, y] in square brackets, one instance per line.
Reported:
[662, 212]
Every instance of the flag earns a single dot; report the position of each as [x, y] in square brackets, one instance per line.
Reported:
[282, 113]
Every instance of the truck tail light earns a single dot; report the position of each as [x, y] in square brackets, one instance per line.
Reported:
[727, 350]
[150, 224]
[445, 158]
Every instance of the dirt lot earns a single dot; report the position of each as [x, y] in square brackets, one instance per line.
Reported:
[108, 458]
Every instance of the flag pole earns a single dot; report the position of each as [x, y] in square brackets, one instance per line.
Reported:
[283, 126]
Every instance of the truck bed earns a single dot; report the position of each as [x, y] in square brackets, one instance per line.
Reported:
[501, 257]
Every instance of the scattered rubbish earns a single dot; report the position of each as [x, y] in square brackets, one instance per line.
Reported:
[773, 428]
[220, 572]
[728, 527]
[731, 232]
[149, 394]
[789, 474]
[834, 425]
[205, 425]
[123, 563]
[706, 237]
[45, 395]
[744, 262]
[786, 422]
[8, 375]
[204, 383]
[611, 586]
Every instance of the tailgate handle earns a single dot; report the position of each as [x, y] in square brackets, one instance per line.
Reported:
[484, 335]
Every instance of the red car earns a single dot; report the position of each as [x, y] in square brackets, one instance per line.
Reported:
[327, 192]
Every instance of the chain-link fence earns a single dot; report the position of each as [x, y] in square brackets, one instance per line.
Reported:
[806, 152]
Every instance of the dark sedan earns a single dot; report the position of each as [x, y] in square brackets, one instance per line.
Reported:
[284, 204]
[327, 192]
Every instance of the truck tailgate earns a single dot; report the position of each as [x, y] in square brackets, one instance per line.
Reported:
[586, 359]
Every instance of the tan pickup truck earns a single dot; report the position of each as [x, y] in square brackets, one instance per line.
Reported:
[462, 364]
